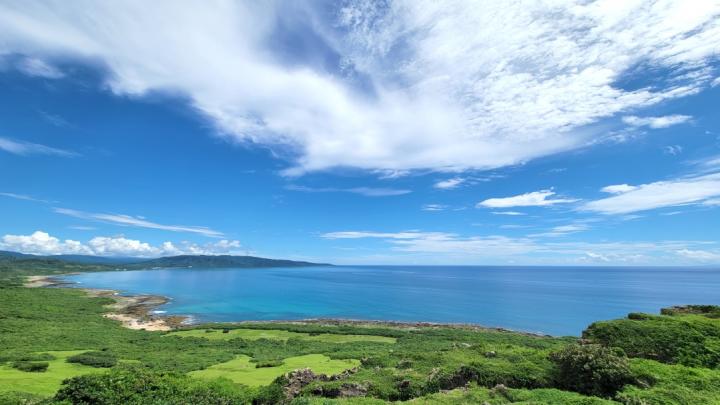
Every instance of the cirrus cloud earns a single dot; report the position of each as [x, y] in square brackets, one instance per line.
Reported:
[27, 148]
[660, 194]
[411, 89]
[127, 220]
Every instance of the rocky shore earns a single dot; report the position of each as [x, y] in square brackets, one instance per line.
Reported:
[134, 312]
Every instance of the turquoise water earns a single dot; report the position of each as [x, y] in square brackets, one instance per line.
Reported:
[552, 300]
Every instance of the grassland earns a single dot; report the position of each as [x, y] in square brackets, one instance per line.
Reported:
[43, 383]
[242, 370]
[672, 358]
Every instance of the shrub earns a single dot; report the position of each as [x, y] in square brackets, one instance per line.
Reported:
[272, 394]
[268, 363]
[667, 339]
[710, 311]
[98, 359]
[31, 366]
[591, 369]
[128, 385]
[20, 398]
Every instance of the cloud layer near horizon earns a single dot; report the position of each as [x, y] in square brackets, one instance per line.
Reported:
[438, 247]
[42, 243]
[412, 84]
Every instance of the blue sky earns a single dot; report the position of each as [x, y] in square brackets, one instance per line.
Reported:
[363, 133]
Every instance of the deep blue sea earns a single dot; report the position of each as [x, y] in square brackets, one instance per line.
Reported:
[551, 300]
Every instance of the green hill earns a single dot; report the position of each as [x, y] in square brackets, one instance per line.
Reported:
[218, 261]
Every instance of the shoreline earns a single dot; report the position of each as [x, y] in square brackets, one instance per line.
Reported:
[135, 311]
[132, 311]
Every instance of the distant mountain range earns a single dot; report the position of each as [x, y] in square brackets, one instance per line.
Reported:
[201, 261]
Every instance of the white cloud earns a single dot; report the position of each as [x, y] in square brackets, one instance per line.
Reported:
[709, 164]
[700, 255]
[687, 190]
[364, 234]
[454, 85]
[509, 213]
[673, 150]
[41, 243]
[441, 242]
[597, 257]
[514, 226]
[55, 119]
[27, 148]
[392, 174]
[119, 246]
[443, 247]
[366, 191]
[434, 207]
[39, 68]
[618, 188]
[715, 82]
[562, 230]
[656, 122]
[449, 183]
[23, 197]
[139, 222]
[533, 199]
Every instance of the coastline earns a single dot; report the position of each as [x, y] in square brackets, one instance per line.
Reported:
[135, 311]
[132, 311]
[382, 323]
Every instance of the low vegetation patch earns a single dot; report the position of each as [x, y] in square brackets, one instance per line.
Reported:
[268, 363]
[98, 359]
[31, 366]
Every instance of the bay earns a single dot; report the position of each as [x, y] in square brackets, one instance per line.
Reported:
[550, 300]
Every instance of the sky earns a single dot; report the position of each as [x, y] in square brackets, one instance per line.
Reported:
[363, 132]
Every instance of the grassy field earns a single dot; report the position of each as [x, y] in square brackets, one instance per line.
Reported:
[672, 358]
[284, 335]
[44, 383]
[243, 371]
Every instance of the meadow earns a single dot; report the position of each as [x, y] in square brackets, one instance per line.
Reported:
[668, 358]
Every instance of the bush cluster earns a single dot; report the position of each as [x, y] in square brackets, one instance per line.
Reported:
[98, 359]
[130, 385]
[268, 363]
[687, 340]
[31, 366]
[591, 369]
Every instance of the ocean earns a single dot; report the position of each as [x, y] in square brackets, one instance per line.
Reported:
[550, 300]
